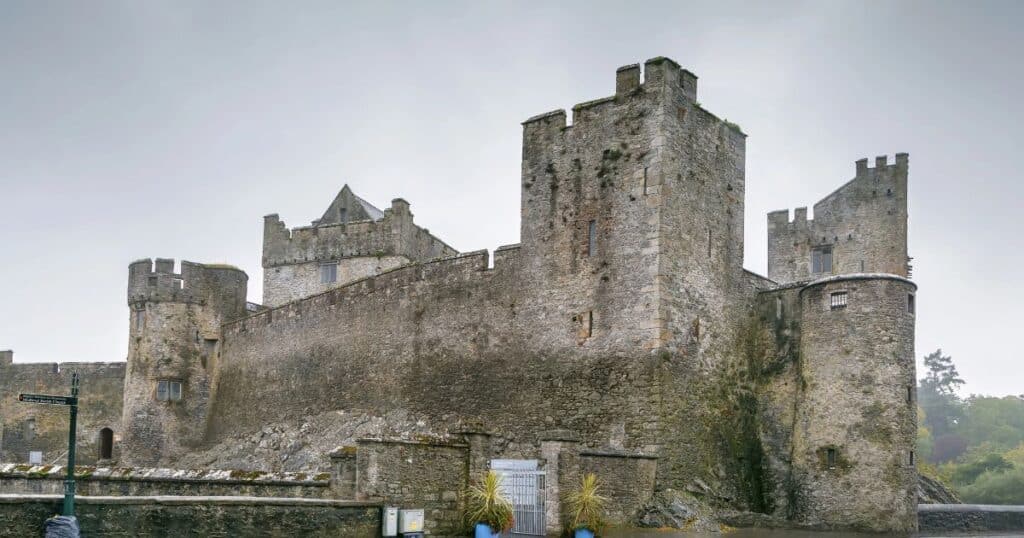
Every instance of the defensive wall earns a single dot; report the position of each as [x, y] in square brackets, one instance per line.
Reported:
[26, 427]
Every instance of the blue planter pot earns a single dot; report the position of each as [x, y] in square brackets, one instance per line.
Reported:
[483, 530]
[584, 533]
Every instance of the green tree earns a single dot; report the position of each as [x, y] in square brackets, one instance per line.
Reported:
[943, 409]
[998, 422]
[994, 487]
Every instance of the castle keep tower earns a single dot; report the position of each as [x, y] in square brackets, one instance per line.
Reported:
[174, 340]
[352, 240]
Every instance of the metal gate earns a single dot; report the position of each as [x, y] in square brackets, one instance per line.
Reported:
[525, 489]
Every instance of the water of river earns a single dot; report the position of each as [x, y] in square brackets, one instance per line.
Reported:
[764, 533]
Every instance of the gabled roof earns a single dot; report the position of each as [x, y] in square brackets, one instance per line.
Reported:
[346, 204]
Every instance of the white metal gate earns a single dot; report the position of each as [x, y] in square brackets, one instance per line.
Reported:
[525, 489]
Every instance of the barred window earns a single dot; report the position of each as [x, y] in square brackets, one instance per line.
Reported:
[838, 300]
[167, 390]
[821, 259]
[328, 273]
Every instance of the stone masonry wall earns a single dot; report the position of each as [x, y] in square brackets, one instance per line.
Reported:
[628, 482]
[858, 365]
[428, 475]
[864, 221]
[28, 427]
[169, 516]
[289, 282]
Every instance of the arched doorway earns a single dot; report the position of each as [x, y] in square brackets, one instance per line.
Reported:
[106, 444]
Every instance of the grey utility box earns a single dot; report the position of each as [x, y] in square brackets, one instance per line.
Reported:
[410, 521]
[389, 527]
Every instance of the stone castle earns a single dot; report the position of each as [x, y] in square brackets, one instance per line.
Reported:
[623, 322]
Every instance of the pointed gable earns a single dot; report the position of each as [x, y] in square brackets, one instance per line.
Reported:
[347, 207]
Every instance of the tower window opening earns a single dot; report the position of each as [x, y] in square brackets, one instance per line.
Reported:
[910, 303]
[328, 273]
[151, 281]
[168, 391]
[343, 215]
[837, 300]
[911, 460]
[910, 394]
[830, 458]
[140, 320]
[821, 259]
[592, 238]
[106, 444]
[645, 181]
[178, 283]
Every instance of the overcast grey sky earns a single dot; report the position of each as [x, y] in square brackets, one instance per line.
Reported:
[143, 129]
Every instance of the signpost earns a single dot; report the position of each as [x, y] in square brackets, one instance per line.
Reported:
[72, 402]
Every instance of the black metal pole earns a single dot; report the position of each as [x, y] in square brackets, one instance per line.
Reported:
[69, 482]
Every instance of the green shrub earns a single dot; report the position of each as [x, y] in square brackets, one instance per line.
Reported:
[996, 487]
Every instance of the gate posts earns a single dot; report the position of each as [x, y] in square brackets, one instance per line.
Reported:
[559, 450]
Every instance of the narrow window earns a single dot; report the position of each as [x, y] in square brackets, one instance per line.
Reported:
[910, 303]
[328, 273]
[106, 444]
[911, 458]
[910, 394]
[821, 259]
[175, 392]
[140, 320]
[709, 242]
[862, 266]
[161, 391]
[592, 238]
[837, 300]
[343, 215]
[590, 323]
[778, 307]
[645, 181]
[830, 458]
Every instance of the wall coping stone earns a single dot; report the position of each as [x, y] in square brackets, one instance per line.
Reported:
[15, 498]
[617, 454]
[805, 284]
[420, 442]
[194, 476]
[970, 508]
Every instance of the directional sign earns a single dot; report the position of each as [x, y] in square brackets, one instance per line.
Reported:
[48, 399]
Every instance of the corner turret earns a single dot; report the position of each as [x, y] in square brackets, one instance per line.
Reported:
[174, 339]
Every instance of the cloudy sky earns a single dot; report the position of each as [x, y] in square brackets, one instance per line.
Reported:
[144, 129]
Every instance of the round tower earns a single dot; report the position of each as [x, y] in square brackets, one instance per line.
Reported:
[174, 339]
[856, 420]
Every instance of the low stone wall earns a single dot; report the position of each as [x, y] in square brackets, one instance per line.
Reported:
[23, 515]
[100, 481]
[970, 517]
[426, 474]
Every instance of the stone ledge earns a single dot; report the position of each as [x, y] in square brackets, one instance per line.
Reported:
[9, 498]
[970, 508]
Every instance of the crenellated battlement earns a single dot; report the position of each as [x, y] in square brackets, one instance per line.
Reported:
[442, 272]
[157, 281]
[659, 74]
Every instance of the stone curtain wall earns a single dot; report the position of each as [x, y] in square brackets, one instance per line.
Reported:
[428, 475]
[124, 481]
[970, 518]
[23, 515]
[26, 427]
[445, 341]
[864, 221]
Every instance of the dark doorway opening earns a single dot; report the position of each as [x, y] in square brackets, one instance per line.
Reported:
[106, 444]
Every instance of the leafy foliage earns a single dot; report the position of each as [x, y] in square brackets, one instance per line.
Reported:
[485, 503]
[975, 445]
[587, 505]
